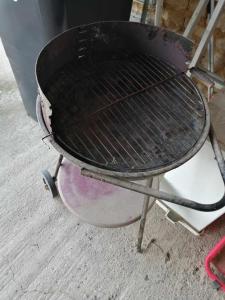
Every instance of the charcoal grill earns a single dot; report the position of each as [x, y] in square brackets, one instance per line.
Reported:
[116, 101]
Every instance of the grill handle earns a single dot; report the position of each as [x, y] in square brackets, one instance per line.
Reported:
[206, 77]
[166, 196]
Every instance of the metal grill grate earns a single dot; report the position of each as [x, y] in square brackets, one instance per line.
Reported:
[127, 115]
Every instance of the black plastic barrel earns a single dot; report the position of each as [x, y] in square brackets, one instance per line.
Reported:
[27, 25]
[89, 11]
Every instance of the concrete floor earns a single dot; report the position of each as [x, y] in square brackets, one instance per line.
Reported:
[45, 253]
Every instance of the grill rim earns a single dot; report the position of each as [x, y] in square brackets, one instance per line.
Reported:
[132, 175]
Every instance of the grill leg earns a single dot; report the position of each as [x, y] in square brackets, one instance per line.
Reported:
[49, 180]
[58, 166]
[146, 207]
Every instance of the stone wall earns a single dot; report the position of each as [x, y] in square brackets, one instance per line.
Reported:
[176, 14]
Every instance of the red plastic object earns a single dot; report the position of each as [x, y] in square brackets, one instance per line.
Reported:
[215, 264]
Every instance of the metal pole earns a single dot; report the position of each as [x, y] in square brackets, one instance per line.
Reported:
[144, 11]
[207, 33]
[211, 48]
[145, 210]
[195, 17]
[211, 42]
[158, 12]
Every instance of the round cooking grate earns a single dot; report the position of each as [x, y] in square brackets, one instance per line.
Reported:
[131, 115]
